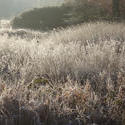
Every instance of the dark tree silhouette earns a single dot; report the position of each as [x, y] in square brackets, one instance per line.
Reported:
[116, 8]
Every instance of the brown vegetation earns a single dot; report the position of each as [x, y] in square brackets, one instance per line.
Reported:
[73, 76]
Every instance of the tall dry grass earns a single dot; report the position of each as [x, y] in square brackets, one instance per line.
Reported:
[68, 76]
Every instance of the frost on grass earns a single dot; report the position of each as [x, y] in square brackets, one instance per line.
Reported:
[67, 76]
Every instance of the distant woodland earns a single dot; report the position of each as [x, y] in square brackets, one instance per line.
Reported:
[71, 12]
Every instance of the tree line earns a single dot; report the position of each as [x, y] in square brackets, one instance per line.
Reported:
[116, 8]
[72, 12]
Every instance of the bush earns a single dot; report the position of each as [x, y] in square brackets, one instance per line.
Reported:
[87, 11]
[41, 18]
[49, 18]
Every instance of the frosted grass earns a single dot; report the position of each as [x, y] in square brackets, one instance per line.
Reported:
[73, 52]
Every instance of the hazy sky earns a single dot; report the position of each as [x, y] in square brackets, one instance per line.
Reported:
[9, 8]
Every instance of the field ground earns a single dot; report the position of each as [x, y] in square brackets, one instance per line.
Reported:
[72, 76]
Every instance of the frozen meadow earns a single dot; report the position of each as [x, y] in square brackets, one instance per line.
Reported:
[63, 74]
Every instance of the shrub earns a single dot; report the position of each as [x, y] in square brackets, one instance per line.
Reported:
[86, 11]
[41, 18]
[48, 18]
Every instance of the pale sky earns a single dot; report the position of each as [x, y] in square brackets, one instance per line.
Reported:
[9, 8]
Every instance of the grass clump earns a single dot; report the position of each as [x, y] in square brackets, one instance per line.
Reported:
[63, 104]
